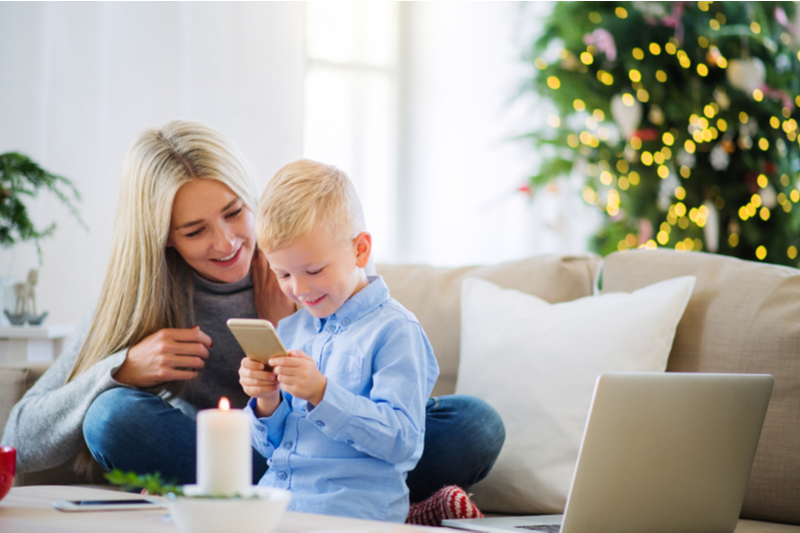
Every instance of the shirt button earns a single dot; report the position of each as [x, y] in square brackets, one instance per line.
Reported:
[288, 444]
[320, 424]
[281, 475]
[346, 322]
[350, 442]
[331, 329]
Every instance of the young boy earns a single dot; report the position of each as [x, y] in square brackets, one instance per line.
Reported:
[342, 418]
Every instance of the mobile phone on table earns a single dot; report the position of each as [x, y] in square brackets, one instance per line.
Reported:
[258, 339]
[108, 505]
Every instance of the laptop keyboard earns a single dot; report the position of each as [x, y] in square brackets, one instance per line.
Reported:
[549, 528]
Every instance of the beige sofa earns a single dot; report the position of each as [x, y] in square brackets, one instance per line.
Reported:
[742, 317]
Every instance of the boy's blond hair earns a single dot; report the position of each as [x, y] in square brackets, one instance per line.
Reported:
[303, 194]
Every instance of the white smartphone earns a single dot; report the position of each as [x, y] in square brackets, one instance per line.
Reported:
[108, 505]
[258, 339]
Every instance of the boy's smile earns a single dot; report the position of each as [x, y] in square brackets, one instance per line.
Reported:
[321, 272]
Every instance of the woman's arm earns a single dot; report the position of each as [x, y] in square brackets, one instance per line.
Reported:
[45, 426]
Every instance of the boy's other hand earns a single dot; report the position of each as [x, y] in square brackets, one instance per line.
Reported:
[260, 384]
[299, 376]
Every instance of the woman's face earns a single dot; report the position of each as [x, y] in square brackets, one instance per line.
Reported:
[213, 230]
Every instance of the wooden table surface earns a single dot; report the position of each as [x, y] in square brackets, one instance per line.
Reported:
[30, 510]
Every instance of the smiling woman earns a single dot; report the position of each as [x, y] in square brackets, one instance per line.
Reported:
[212, 229]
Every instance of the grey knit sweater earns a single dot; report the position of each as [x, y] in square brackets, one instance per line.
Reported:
[45, 426]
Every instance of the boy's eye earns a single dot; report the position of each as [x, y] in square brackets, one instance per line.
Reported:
[314, 273]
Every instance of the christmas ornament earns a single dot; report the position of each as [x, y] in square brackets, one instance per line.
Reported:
[746, 74]
[722, 99]
[719, 158]
[685, 159]
[656, 116]
[711, 229]
[769, 198]
[603, 41]
[626, 116]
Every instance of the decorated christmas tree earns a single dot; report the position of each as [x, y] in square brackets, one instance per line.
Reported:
[681, 117]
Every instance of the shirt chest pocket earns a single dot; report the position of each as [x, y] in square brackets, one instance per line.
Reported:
[348, 371]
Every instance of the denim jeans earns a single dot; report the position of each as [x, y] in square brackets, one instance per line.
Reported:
[137, 431]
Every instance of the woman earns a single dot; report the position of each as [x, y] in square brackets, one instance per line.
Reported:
[155, 349]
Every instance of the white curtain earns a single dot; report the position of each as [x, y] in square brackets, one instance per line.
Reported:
[79, 81]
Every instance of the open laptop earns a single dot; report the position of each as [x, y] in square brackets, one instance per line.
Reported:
[666, 452]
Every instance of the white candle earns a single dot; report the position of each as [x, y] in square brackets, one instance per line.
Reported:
[224, 456]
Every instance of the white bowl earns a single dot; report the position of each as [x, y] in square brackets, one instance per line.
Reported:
[259, 514]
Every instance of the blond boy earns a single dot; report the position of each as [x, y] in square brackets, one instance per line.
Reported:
[342, 419]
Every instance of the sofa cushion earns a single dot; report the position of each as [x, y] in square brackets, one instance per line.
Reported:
[743, 317]
[537, 364]
[434, 296]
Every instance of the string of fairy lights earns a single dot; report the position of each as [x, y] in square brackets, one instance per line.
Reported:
[665, 156]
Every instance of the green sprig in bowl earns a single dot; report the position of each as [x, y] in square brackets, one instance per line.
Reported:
[193, 512]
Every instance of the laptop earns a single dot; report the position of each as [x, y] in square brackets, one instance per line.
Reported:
[667, 452]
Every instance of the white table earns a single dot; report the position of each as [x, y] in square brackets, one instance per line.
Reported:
[30, 510]
[20, 345]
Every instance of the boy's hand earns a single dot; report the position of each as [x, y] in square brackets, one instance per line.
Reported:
[260, 384]
[299, 376]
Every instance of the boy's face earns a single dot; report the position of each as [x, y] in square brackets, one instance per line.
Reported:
[320, 272]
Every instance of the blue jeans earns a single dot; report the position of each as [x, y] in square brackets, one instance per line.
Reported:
[137, 431]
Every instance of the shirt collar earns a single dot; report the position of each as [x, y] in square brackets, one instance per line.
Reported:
[375, 294]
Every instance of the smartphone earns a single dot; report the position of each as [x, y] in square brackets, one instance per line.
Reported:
[107, 505]
[258, 339]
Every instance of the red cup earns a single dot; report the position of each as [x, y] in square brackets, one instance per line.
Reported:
[8, 467]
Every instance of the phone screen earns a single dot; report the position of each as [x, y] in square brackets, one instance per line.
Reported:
[107, 505]
[111, 502]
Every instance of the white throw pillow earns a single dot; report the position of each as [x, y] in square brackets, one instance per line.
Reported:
[536, 363]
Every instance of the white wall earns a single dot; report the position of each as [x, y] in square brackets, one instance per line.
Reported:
[79, 81]
[461, 167]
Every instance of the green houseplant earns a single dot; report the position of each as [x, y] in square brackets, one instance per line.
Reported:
[20, 176]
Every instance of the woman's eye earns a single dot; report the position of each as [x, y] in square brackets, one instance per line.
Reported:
[194, 233]
[235, 213]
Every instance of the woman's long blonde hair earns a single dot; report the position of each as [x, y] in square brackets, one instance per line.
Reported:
[147, 285]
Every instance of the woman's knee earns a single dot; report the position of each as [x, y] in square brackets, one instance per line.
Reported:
[471, 412]
[111, 414]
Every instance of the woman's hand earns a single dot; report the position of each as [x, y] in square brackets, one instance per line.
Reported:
[167, 355]
[299, 376]
[271, 303]
[260, 384]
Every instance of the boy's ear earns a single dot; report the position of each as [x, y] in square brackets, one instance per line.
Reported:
[363, 247]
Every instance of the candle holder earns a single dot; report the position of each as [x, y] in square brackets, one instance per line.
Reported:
[257, 512]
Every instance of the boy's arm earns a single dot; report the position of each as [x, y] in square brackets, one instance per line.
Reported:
[388, 423]
[267, 433]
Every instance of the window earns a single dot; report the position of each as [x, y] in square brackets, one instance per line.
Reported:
[351, 105]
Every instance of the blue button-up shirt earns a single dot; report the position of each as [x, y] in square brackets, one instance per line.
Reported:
[350, 454]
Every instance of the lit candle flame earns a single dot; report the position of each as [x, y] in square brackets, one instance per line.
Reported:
[224, 404]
